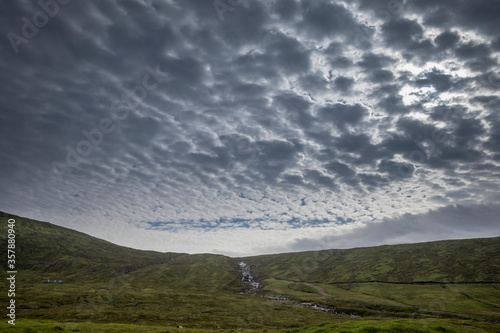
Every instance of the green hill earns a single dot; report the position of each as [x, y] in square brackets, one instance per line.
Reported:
[456, 261]
[444, 286]
[205, 273]
[53, 252]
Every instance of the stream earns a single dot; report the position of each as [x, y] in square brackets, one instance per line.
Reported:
[246, 276]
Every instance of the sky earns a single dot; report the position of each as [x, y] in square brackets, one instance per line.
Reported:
[250, 127]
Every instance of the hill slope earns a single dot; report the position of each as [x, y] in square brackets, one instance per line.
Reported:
[452, 261]
[50, 251]
[54, 251]
[107, 283]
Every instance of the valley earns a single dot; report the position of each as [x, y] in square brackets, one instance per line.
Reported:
[447, 286]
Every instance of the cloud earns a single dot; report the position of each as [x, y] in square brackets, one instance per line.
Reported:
[343, 83]
[446, 40]
[402, 32]
[452, 222]
[271, 116]
[343, 115]
[325, 18]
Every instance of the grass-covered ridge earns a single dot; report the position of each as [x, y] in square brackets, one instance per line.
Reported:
[450, 261]
[110, 288]
[54, 252]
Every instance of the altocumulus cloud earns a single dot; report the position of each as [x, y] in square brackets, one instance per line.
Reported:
[246, 127]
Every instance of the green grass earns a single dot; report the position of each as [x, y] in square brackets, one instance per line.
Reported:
[110, 288]
[402, 326]
[47, 251]
[50, 326]
[120, 301]
[397, 300]
[202, 272]
[399, 326]
[453, 261]
[448, 297]
[302, 287]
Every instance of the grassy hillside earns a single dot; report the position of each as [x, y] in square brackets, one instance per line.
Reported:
[58, 252]
[456, 279]
[110, 288]
[52, 252]
[206, 273]
[366, 326]
[106, 283]
[470, 260]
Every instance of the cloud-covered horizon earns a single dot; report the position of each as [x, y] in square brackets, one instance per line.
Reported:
[247, 127]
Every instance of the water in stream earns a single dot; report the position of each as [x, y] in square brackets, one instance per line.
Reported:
[247, 277]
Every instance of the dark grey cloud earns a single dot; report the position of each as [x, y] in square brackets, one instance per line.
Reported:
[381, 75]
[446, 40]
[343, 83]
[371, 61]
[315, 83]
[477, 56]
[288, 53]
[372, 181]
[286, 10]
[340, 62]
[318, 179]
[137, 112]
[325, 18]
[393, 104]
[436, 79]
[473, 15]
[343, 115]
[402, 32]
[296, 109]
